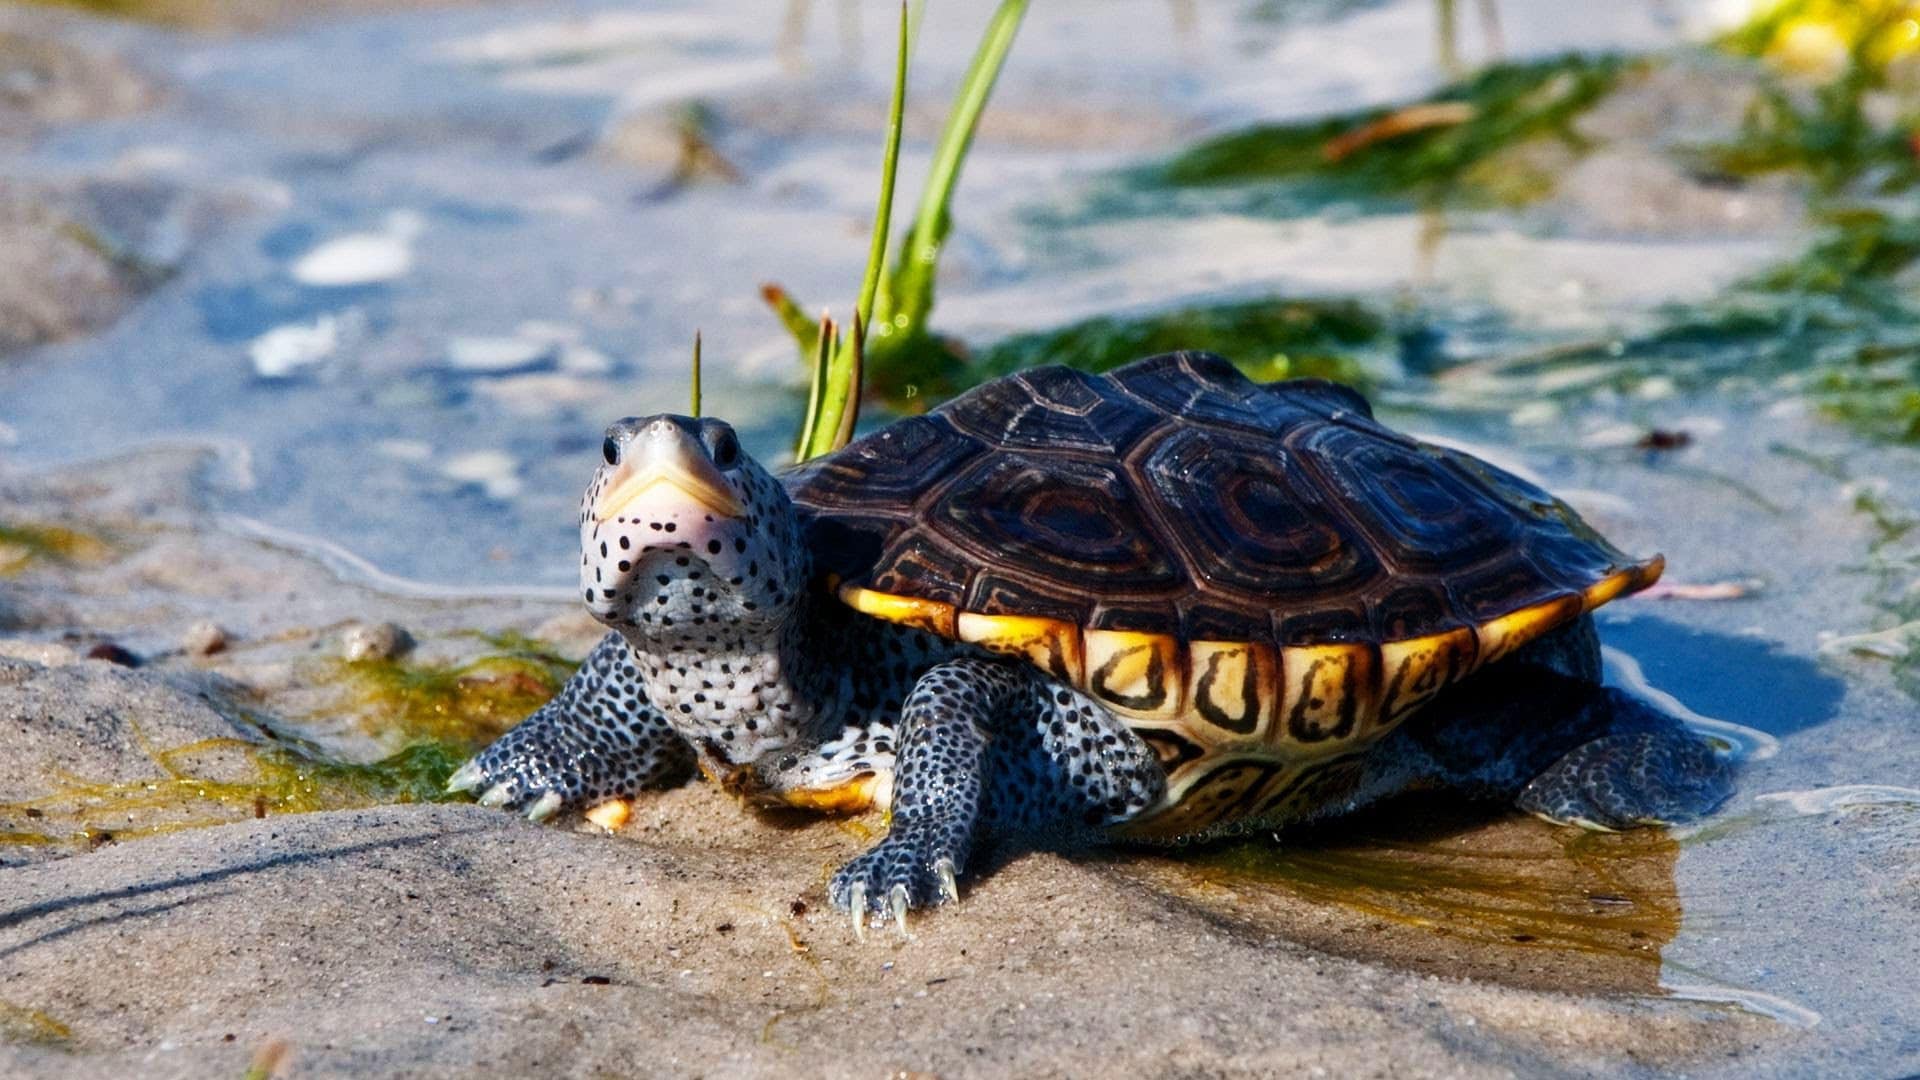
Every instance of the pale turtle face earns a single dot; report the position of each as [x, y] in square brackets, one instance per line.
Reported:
[687, 543]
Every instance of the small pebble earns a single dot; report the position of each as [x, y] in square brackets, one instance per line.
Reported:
[374, 641]
[113, 654]
[204, 638]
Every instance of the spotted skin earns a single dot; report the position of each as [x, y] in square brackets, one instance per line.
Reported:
[991, 746]
[733, 651]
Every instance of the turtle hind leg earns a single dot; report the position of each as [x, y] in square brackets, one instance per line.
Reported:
[597, 739]
[1648, 770]
[1539, 732]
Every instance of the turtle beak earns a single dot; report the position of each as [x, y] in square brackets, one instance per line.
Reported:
[664, 469]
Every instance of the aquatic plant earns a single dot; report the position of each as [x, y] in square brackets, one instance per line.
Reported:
[1819, 119]
[1270, 338]
[459, 705]
[888, 339]
[21, 545]
[288, 776]
[1436, 149]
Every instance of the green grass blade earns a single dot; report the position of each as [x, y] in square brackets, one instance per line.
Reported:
[696, 375]
[834, 399]
[856, 363]
[816, 391]
[889, 168]
[910, 291]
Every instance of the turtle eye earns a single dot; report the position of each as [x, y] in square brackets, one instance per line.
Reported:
[723, 446]
[611, 451]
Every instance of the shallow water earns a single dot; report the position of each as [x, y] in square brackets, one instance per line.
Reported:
[408, 291]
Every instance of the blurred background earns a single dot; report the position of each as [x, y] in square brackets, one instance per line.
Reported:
[401, 261]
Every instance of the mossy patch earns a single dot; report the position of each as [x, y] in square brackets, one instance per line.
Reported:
[288, 779]
[463, 704]
[22, 545]
[1437, 149]
[435, 715]
[1271, 338]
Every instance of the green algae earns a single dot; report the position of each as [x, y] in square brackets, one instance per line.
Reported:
[1877, 394]
[1857, 260]
[22, 545]
[1270, 338]
[1408, 153]
[1839, 325]
[434, 714]
[287, 778]
[460, 704]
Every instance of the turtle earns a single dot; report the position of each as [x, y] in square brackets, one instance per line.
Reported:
[1159, 604]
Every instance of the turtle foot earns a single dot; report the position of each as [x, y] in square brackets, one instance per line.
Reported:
[1624, 780]
[910, 869]
[524, 773]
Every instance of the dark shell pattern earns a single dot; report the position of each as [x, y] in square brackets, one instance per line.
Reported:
[1258, 577]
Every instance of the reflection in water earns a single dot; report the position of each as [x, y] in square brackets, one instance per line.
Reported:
[1434, 885]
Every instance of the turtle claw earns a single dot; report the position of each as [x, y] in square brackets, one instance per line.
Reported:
[897, 906]
[545, 806]
[908, 870]
[466, 777]
[497, 795]
[949, 888]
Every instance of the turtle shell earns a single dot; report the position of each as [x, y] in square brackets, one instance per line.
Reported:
[1258, 577]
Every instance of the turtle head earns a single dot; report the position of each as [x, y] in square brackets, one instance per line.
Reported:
[686, 541]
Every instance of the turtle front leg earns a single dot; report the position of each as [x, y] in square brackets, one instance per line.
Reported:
[597, 739]
[987, 745]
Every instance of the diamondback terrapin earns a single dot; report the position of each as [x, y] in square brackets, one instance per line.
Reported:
[1160, 603]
